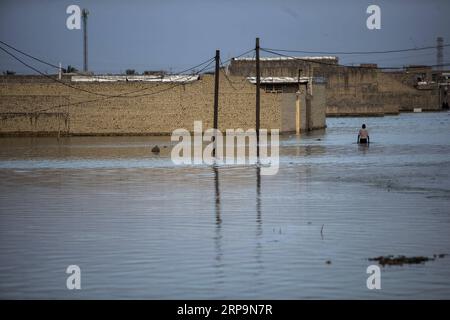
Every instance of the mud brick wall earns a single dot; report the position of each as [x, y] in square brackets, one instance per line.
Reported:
[145, 114]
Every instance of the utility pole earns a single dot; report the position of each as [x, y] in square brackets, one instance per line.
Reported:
[84, 15]
[258, 80]
[216, 99]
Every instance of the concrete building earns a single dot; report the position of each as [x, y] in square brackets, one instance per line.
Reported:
[356, 91]
[310, 104]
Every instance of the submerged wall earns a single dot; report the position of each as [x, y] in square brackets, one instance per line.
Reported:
[31, 105]
[351, 91]
[175, 106]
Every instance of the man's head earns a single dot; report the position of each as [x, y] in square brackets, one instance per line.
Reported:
[363, 126]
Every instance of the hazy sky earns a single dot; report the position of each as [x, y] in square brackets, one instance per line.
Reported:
[176, 34]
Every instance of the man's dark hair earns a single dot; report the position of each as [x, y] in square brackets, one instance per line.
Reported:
[363, 126]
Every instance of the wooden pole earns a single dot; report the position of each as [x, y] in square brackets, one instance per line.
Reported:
[258, 80]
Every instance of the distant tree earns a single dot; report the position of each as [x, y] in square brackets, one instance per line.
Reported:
[70, 69]
[9, 73]
[130, 72]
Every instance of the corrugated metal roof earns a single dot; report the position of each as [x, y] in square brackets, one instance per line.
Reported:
[280, 80]
[136, 78]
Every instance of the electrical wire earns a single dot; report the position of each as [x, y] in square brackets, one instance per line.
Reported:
[57, 67]
[29, 56]
[340, 65]
[355, 52]
[231, 83]
[85, 90]
[242, 54]
[117, 96]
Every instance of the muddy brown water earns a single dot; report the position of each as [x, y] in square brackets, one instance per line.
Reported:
[140, 227]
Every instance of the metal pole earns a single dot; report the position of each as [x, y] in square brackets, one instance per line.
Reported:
[85, 13]
[216, 98]
[257, 97]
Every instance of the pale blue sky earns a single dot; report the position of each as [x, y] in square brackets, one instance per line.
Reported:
[176, 34]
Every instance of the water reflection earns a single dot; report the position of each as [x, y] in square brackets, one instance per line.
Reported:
[363, 147]
[218, 228]
[259, 228]
[142, 227]
[258, 202]
[218, 237]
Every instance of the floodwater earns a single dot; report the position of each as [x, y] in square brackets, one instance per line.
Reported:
[140, 227]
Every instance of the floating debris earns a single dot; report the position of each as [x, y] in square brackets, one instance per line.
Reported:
[328, 262]
[401, 260]
[155, 149]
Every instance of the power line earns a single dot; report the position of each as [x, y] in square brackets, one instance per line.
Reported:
[94, 100]
[34, 58]
[57, 67]
[229, 80]
[318, 61]
[29, 56]
[242, 54]
[81, 89]
[47, 76]
[204, 69]
[355, 52]
[124, 94]
[339, 65]
[244, 80]
[119, 95]
[396, 58]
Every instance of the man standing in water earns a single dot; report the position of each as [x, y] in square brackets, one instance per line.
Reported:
[363, 135]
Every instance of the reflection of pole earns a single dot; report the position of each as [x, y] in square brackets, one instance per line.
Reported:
[258, 195]
[216, 99]
[218, 236]
[257, 97]
[216, 184]
[259, 231]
